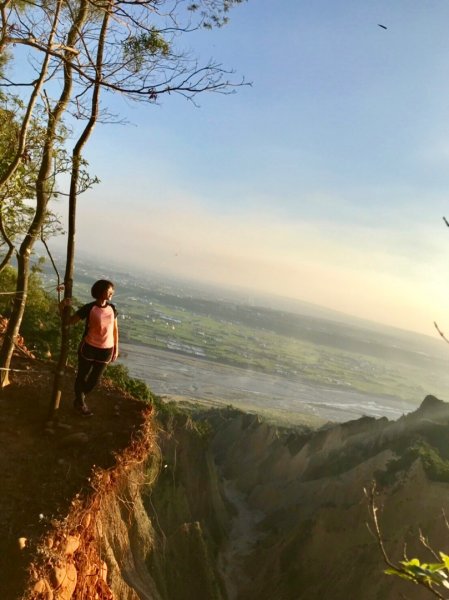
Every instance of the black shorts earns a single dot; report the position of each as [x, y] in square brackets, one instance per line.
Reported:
[88, 352]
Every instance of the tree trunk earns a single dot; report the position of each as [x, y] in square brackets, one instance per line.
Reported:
[68, 292]
[12, 330]
[6, 239]
[70, 256]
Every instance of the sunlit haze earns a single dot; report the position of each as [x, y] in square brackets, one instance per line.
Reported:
[326, 180]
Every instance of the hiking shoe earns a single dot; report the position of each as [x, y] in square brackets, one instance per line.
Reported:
[83, 410]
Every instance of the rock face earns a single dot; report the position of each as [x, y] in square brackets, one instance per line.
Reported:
[312, 537]
[160, 540]
[233, 508]
[246, 511]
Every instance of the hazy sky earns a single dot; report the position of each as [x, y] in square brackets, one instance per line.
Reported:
[326, 180]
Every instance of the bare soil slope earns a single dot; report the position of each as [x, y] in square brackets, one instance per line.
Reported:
[42, 469]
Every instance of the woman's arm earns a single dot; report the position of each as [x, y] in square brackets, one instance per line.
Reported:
[73, 318]
[115, 351]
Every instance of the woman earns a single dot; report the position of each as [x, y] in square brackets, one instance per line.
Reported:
[99, 345]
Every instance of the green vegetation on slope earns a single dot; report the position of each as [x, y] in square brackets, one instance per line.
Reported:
[435, 465]
[41, 322]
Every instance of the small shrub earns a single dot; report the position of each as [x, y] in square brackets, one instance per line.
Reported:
[436, 467]
[119, 375]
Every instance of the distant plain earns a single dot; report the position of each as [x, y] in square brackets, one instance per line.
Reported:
[213, 345]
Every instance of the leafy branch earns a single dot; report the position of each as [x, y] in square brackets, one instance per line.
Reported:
[427, 575]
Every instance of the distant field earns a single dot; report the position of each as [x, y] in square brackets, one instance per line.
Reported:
[274, 342]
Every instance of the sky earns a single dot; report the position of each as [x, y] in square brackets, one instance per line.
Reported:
[325, 180]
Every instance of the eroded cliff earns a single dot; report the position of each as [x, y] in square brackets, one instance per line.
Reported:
[220, 505]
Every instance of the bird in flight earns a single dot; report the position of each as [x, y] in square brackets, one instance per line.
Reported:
[383, 26]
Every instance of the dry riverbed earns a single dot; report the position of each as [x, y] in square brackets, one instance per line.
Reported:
[175, 375]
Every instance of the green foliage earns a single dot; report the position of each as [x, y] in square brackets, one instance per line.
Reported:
[427, 574]
[137, 49]
[172, 414]
[203, 429]
[168, 412]
[15, 210]
[435, 466]
[119, 375]
[41, 322]
[216, 16]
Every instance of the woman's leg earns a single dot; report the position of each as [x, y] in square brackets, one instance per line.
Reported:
[84, 369]
[89, 373]
[94, 376]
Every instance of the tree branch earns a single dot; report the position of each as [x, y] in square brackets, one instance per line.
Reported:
[373, 509]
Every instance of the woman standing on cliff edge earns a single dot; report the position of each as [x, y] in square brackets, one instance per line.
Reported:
[99, 344]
